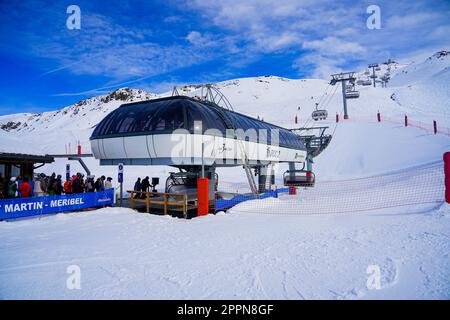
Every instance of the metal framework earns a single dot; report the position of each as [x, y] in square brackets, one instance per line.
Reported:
[373, 76]
[209, 93]
[314, 143]
[343, 78]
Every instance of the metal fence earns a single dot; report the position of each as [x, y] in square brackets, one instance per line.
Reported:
[421, 186]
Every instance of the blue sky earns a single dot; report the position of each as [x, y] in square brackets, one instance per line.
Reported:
[153, 45]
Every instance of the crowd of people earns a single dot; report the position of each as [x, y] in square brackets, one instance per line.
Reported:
[43, 185]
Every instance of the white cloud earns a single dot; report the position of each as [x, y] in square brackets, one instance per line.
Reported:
[327, 28]
[332, 46]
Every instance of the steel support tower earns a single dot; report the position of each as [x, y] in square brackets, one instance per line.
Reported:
[343, 77]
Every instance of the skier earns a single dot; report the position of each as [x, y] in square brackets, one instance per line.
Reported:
[12, 188]
[25, 189]
[58, 185]
[38, 187]
[77, 184]
[19, 182]
[102, 179]
[108, 183]
[98, 185]
[51, 189]
[90, 184]
[68, 186]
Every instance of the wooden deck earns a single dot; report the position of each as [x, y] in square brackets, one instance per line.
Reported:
[167, 202]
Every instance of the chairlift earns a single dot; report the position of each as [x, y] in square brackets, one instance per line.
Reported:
[367, 83]
[352, 94]
[319, 114]
[299, 178]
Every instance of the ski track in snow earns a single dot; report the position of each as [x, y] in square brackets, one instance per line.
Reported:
[226, 256]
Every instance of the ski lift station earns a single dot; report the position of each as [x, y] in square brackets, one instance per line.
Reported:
[196, 136]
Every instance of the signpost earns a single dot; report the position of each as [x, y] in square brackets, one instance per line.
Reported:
[67, 172]
[120, 179]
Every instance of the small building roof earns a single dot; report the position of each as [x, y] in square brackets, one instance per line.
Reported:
[14, 148]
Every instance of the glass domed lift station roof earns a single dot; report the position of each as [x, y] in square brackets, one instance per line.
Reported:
[162, 116]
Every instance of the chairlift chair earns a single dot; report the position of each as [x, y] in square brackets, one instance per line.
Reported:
[319, 114]
[352, 94]
[299, 178]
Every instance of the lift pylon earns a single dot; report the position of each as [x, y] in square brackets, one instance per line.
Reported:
[343, 78]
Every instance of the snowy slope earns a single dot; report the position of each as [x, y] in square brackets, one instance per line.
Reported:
[257, 251]
[279, 100]
[123, 254]
[425, 87]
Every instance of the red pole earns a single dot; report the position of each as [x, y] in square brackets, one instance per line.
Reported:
[379, 116]
[435, 126]
[203, 200]
[447, 176]
[406, 120]
[79, 149]
[337, 117]
[296, 119]
[292, 190]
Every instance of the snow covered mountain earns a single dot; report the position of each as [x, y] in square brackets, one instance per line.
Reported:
[261, 249]
[82, 115]
[425, 87]
[421, 90]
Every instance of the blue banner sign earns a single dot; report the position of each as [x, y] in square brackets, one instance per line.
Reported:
[26, 207]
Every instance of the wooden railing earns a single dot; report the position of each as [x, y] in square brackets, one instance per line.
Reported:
[155, 198]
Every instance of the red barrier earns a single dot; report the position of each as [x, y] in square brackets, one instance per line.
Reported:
[406, 120]
[447, 176]
[292, 191]
[79, 149]
[337, 117]
[379, 116]
[435, 126]
[203, 197]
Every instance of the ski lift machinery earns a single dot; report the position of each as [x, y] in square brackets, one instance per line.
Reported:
[315, 140]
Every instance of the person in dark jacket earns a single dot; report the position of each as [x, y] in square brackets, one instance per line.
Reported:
[103, 179]
[59, 185]
[77, 184]
[51, 188]
[145, 185]
[137, 187]
[2, 186]
[98, 185]
[25, 188]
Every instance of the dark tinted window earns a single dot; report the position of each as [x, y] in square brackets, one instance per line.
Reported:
[168, 118]
[172, 114]
[199, 112]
